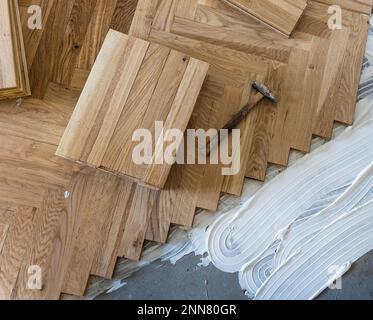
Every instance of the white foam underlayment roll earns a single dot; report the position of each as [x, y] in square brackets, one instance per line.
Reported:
[293, 236]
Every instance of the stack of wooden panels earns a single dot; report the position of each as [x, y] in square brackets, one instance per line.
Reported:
[134, 85]
[14, 81]
[75, 222]
[281, 15]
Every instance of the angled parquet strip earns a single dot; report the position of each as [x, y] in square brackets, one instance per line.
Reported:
[93, 196]
[345, 98]
[281, 15]
[17, 239]
[69, 50]
[47, 250]
[47, 54]
[113, 229]
[97, 30]
[263, 128]
[139, 210]
[341, 66]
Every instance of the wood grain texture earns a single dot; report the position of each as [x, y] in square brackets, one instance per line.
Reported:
[97, 30]
[19, 236]
[7, 64]
[263, 128]
[36, 235]
[31, 130]
[178, 201]
[14, 81]
[143, 18]
[3, 233]
[93, 210]
[32, 36]
[297, 133]
[349, 81]
[47, 250]
[146, 83]
[113, 230]
[135, 226]
[282, 15]
[123, 15]
[69, 50]
[239, 48]
[47, 54]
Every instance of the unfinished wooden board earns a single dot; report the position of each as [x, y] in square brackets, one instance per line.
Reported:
[281, 15]
[93, 197]
[14, 80]
[133, 85]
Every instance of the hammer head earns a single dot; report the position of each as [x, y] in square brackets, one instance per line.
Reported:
[265, 91]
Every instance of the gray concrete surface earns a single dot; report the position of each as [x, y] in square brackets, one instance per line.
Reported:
[185, 281]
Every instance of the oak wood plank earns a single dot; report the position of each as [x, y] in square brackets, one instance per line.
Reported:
[8, 76]
[48, 249]
[15, 246]
[281, 15]
[70, 48]
[92, 195]
[47, 54]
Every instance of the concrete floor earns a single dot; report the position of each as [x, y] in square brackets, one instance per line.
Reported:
[185, 281]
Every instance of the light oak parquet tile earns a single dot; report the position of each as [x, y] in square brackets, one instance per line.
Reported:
[15, 245]
[14, 80]
[47, 250]
[144, 84]
[281, 16]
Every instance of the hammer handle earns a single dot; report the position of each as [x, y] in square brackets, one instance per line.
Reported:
[235, 121]
[242, 114]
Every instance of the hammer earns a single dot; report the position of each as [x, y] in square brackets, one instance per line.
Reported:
[263, 92]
